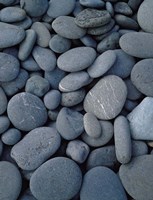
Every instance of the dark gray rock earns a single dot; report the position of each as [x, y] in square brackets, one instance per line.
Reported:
[92, 4]
[10, 181]
[3, 101]
[88, 41]
[30, 64]
[123, 8]
[130, 105]
[101, 182]
[139, 148]
[26, 111]
[36, 147]
[69, 123]
[1, 148]
[12, 51]
[139, 170]
[52, 99]
[134, 4]
[11, 136]
[63, 182]
[7, 2]
[52, 114]
[110, 8]
[4, 123]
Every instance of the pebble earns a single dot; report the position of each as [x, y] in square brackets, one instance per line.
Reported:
[37, 85]
[69, 123]
[59, 172]
[3, 101]
[34, 8]
[74, 81]
[110, 42]
[69, 99]
[59, 44]
[101, 182]
[4, 123]
[60, 7]
[52, 114]
[43, 34]
[76, 59]
[141, 120]
[122, 137]
[26, 111]
[123, 64]
[9, 67]
[52, 99]
[106, 99]
[12, 87]
[88, 41]
[77, 151]
[78, 8]
[27, 45]
[25, 24]
[139, 172]
[11, 136]
[104, 156]
[106, 136]
[66, 27]
[91, 125]
[30, 64]
[123, 8]
[45, 58]
[1, 148]
[11, 35]
[139, 148]
[36, 147]
[137, 44]
[89, 18]
[110, 8]
[10, 181]
[7, 2]
[102, 64]
[141, 76]
[92, 4]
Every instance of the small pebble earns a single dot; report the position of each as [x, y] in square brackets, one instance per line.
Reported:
[30, 64]
[139, 148]
[3, 101]
[11, 136]
[52, 99]
[4, 124]
[123, 8]
[1, 148]
[25, 24]
[88, 41]
[92, 4]
[110, 8]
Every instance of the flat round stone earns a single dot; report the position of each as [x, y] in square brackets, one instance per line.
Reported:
[26, 111]
[52, 99]
[45, 182]
[4, 123]
[101, 182]
[66, 27]
[76, 59]
[106, 99]
[3, 101]
[137, 44]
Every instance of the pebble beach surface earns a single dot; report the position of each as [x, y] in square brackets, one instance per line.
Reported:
[76, 100]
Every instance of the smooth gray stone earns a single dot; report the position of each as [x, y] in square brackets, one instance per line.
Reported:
[48, 26]
[36, 147]
[45, 182]
[11, 35]
[78, 8]
[110, 42]
[12, 51]
[104, 156]
[106, 136]
[92, 4]
[137, 44]
[102, 64]
[139, 148]
[3, 101]
[142, 76]
[141, 120]
[4, 123]
[52, 114]
[45, 58]
[110, 8]
[102, 29]
[77, 151]
[88, 41]
[124, 31]
[52, 99]
[54, 77]
[60, 7]
[74, 81]
[106, 99]
[30, 64]
[9, 67]
[102, 183]
[69, 123]
[1, 148]
[133, 92]
[25, 24]
[59, 44]
[37, 85]
[27, 45]
[122, 137]
[12, 87]
[7, 2]
[26, 111]
[11, 136]
[10, 181]
[130, 105]
[123, 8]
[123, 64]
[69, 99]
[134, 4]
[76, 59]
[37, 73]
[126, 22]
[47, 18]
[43, 34]
[89, 18]
[92, 126]
[139, 170]
[34, 8]
[66, 27]
[12, 14]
